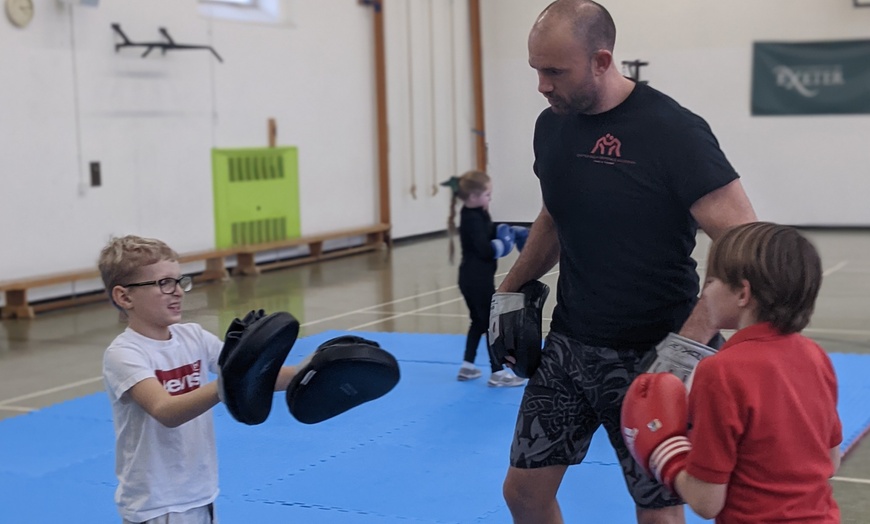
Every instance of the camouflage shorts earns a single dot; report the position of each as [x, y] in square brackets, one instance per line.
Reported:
[576, 389]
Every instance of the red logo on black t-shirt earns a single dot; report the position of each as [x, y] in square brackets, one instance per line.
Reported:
[180, 380]
[607, 150]
[607, 145]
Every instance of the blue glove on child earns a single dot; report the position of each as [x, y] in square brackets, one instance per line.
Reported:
[521, 234]
[503, 242]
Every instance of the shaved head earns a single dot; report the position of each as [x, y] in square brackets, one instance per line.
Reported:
[589, 22]
[571, 48]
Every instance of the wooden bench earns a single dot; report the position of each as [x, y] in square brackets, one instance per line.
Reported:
[18, 304]
[375, 236]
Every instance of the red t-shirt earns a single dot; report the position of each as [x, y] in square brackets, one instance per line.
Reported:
[763, 418]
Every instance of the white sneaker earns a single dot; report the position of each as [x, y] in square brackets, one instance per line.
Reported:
[504, 379]
[467, 374]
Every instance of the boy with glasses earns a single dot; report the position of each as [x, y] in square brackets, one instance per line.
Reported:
[155, 376]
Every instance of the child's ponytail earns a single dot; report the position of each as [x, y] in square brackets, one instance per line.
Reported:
[453, 184]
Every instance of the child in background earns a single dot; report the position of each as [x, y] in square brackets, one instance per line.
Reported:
[482, 245]
[155, 373]
[765, 434]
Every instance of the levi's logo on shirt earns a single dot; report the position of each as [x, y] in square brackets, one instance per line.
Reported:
[181, 379]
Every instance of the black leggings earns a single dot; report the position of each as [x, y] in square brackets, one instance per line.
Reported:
[478, 296]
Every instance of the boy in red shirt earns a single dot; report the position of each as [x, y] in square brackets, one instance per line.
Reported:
[759, 435]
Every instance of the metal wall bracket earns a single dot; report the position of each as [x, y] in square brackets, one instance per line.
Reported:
[163, 45]
[633, 67]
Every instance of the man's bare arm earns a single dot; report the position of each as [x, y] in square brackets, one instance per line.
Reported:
[716, 212]
[539, 255]
[722, 209]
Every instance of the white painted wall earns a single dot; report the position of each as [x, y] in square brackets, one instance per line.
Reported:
[151, 122]
[431, 109]
[71, 99]
[812, 170]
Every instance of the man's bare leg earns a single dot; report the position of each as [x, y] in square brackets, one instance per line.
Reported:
[669, 515]
[531, 494]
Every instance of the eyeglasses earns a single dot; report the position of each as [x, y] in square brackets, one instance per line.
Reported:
[167, 285]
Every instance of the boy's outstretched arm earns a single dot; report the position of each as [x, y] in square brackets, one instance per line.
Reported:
[173, 411]
[286, 374]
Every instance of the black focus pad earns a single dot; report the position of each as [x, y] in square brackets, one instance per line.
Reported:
[536, 294]
[343, 373]
[515, 327]
[255, 348]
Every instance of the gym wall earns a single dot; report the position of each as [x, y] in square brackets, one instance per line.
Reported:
[151, 122]
[72, 99]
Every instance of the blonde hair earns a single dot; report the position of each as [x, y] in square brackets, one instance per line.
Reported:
[783, 269]
[122, 258]
[470, 183]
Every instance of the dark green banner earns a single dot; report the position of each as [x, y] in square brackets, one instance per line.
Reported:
[813, 78]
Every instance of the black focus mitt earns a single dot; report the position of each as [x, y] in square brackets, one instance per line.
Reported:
[515, 325]
[342, 373]
[255, 348]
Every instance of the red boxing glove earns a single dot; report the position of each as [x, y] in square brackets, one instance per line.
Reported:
[655, 423]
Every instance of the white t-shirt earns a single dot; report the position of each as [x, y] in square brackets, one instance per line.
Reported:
[160, 469]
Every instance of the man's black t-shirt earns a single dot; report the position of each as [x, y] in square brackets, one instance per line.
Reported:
[619, 186]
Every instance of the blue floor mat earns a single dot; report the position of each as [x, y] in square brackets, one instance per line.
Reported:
[434, 450]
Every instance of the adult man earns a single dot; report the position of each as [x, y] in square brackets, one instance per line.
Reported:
[627, 175]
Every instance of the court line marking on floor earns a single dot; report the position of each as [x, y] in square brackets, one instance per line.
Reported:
[836, 267]
[851, 480]
[19, 409]
[368, 308]
[405, 314]
[416, 311]
[445, 315]
[50, 390]
[397, 301]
